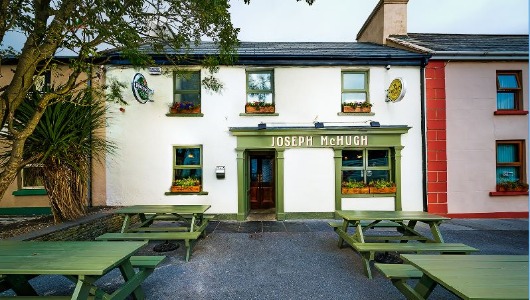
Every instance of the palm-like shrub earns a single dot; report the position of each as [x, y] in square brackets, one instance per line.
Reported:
[64, 142]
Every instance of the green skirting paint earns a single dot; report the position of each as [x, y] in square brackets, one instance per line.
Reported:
[25, 211]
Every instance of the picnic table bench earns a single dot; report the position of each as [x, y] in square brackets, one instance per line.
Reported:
[468, 277]
[404, 223]
[80, 261]
[190, 218]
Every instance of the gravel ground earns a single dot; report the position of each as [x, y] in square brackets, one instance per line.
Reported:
[287, 260]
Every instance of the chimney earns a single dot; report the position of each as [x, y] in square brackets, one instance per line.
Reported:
[389, 17]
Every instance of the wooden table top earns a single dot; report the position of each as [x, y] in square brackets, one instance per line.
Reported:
[158, 209]
[476, 276]
[64, 257]
[359, 215]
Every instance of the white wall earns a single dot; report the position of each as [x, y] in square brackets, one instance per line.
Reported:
[472, 130]
[309, 180]
[141, 170]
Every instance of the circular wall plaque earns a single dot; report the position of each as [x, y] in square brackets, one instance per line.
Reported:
[140, 89]
[396, 90]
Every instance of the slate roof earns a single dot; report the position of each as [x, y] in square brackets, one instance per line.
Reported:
[485, 45]
[306, 53]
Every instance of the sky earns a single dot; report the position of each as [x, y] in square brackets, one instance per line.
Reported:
[341, 20]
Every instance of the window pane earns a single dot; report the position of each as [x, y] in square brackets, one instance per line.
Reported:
[507, 153]
[193, 98]
[507, 174]
[505, 100]
[188, 173]
[352, 158]
[507, 81]
[187, 156]
[377, 158]
[188, 81]
[356, 175]
[32, 177]
[259, 81]
[260, 97]
[353, 81]
[353, 97]
[372, 175]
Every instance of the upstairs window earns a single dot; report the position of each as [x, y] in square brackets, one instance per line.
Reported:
[354, 87]
[187, 92]
[510, 161]
[260, 87]
[509, 90]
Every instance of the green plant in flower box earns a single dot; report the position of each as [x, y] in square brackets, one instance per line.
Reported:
[186, 182]
[353, 184]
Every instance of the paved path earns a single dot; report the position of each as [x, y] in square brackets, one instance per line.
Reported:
[290, 260]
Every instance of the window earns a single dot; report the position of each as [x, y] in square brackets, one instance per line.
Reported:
[354, 86]
[32, 177]
[510, 161]
[366, 165]
[187, 90]
[187, 163]
[260, 87]
[509, 90]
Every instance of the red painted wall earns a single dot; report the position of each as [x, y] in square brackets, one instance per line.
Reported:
[436, 137]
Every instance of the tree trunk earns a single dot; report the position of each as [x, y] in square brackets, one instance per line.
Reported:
[67, 190]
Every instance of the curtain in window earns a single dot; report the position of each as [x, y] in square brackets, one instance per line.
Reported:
[505, 101]
[507, 153]
[508, 81]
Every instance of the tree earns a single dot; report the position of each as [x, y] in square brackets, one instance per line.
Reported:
[63, 144]
[85, 27]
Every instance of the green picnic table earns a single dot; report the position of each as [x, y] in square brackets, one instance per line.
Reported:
[467, 276]
[189, 224]
[405, 239]
[83, 262]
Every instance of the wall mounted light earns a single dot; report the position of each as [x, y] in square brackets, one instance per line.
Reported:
[262, 126]
[319, 125]
[374, 124]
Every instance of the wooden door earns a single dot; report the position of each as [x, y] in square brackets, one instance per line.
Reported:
[261, 192]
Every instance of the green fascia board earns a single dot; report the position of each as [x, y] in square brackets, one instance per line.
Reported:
[388, 136]
[389, 129]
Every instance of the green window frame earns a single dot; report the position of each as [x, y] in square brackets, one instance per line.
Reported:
[354, 87]
[187, 89]
[509, 90]
[367, 164]
[187, 162]
[260, 86]
[510, 161]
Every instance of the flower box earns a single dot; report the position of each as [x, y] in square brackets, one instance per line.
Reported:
[512, 186]
[513, 189]
[356, 109]
[185, 189]
[385, 190]
[256, 109]
[364, 190]
[184, 108]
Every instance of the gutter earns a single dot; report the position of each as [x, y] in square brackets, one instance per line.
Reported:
[423, 135]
